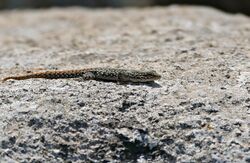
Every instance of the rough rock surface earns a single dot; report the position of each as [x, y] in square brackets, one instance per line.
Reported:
[198, 111]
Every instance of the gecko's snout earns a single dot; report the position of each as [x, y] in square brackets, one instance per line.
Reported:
[157, 76]
[154, 75]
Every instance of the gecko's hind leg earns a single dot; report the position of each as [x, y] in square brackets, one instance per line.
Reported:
[86, 76]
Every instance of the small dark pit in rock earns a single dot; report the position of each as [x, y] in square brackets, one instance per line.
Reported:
[183, 103]
[247, 159]
[5, 144]
[110, 123]
[153, 31]
[227, 76]
[167, 140]
[125, 105]
[180, 148]
[81, 103]
[190, 136]
[183, 51]
[161, 114]
[58, 117]
[211, 109]
[36, 123]
[235, 102]
[134, 149]
[54, 100]
[65, 151]
[42, 139]
[226, 127]
[197, 105]
[185, 126]
[25, 90]
[78, 124]
[167, 40]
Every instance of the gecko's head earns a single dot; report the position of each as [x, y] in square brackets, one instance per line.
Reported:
[146, 76]
[152, 75]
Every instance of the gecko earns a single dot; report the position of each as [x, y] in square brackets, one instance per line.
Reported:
[101, 74]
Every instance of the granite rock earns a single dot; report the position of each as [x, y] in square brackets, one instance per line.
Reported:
[199, 110]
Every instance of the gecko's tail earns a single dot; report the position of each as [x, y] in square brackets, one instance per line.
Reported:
[47, 75]
[23, 77]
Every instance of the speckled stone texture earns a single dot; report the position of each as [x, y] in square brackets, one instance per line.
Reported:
[198, 112]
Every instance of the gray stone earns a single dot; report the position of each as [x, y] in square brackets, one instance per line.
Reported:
[197, 112]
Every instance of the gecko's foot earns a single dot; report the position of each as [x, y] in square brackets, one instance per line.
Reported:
[85, 76]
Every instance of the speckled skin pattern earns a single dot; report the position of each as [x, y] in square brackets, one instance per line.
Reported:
[104, 74]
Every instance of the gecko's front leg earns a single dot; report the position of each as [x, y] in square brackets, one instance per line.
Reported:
[87, 76]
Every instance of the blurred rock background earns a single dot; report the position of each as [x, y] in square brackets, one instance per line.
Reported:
[233, 6]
